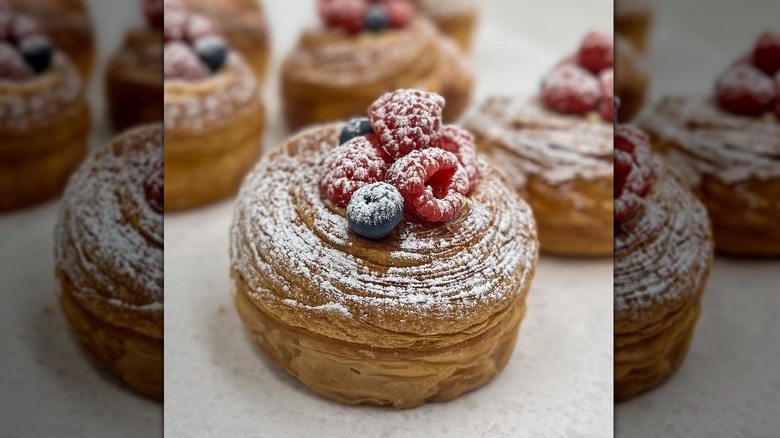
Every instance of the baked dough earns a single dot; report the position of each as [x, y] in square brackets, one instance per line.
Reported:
[631, 81]
[424, 314]
[633, 21]
[456, 19]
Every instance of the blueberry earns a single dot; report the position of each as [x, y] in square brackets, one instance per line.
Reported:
[355, 128]
[212, 51]
[374, 210]
[377, 19]
[38, 52]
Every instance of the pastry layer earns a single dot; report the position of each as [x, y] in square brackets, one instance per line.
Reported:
[630, 80]
[454, 18]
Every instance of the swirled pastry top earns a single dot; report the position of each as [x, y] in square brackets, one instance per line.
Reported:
[662, 254]
[334, 61]
[713, 142]
[141, 57]
[37, 102]
[297, 257]
[211, 102]
[244, 16]
[109, 240]
[552, 146]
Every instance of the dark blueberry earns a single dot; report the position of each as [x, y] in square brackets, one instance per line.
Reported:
[377, 19]
[355, 128]
[374, 210]
[212, 51]
[38, 52]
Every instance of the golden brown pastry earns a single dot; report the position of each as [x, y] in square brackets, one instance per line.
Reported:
[44, 120]
[631, 80]
[109, 255]
[419, 312]
[663, 254]
[67, 24]
[334, 74]
[456, 19]
[633, 20]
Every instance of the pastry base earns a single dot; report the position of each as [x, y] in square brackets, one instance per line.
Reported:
[632, 92]
[255, 54]
[459, 28]
[133, 101]
[635, 27]
[353, 374]
[135, 358]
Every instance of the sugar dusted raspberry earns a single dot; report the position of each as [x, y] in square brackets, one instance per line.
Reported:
[432, 182]
[175, 20]
[400, 12]
[198, 26]
[461, 143]
[633, 170]
[406, 120]
[766, 53]
[607, 102]
[569, 89]
[349, 15]
[13, 67]
[745, 90]
[181, 62]
[153, 11]
[351, 166]
[155, 182]
[24, 27]
[596, 52]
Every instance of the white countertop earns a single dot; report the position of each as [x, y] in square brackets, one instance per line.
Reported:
[559, 381]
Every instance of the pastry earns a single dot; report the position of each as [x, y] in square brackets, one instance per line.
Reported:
[631, 80]
[109, 256]
[633, 20]
[663, 254]
[133, 76]
[67, 24]
[44, 117]
[454, 18]
[728, 149]
[557, 150]
[380, 264]
[242, 23]
[336, 71]
[214, 117]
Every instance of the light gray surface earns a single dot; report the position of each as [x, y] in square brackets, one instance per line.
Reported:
[729, 385]
[559, 381]
[48, 385]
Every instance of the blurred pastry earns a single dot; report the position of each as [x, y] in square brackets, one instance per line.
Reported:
[556, 149]
[362, 51]
[630, 80]
[633, 21]
[398, 283]
[109, 258]
[456, 19]
[663, 254]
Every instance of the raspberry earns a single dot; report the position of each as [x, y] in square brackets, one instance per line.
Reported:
[569, 89]
[154, 183]
[400, 12]
[766, 53]
[349, 15]
[406, 120]
[174, 20]
[351, 166]
[12, 65]
[198, 26]
[569, 60]
[633, 170]
[181, 62]
[461, 143]
[24, 27]
[432, 183]
[607, 102]
[153, 11]
[596, 52]
[744, 89]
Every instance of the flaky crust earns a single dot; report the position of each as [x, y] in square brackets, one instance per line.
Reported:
[732, 163]
[382, 316]
[662, 261]
[332, 76]
[631, 81]
[213, 131]
[454, 18]
[44, 124]
[561, 165]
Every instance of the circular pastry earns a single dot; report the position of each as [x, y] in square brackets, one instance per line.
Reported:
[630, 80]
[44, 121]
[728, 150]
[214, 121]
[557, 153]
[67, 24]
[425, 313]
[133, 84]
[109, 256]
[456, 19]
[242, 23]
[663, 254]
[334, 74]
[633, 19]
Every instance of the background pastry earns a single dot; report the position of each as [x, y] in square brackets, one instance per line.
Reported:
[631, 79]
[109, 255]
[456, 19]
[633, 21]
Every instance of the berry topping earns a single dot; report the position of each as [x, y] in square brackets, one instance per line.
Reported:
[461, 143]
[633, 170]
[212, 51]
[432, 183]
[355, 128]
[349, 15]
[153, 11]
[375, 209]
[24, 27]
[766, 53]
[746, 90]
[154, 183]
[12, 65]
[596, 52]
[197, 27]
[569, 89]
[607, 102]
[175, 20]
[181, 62]
[38, 52]
[400, 12]
[406, 120]
[351, 166]
[377, 19]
